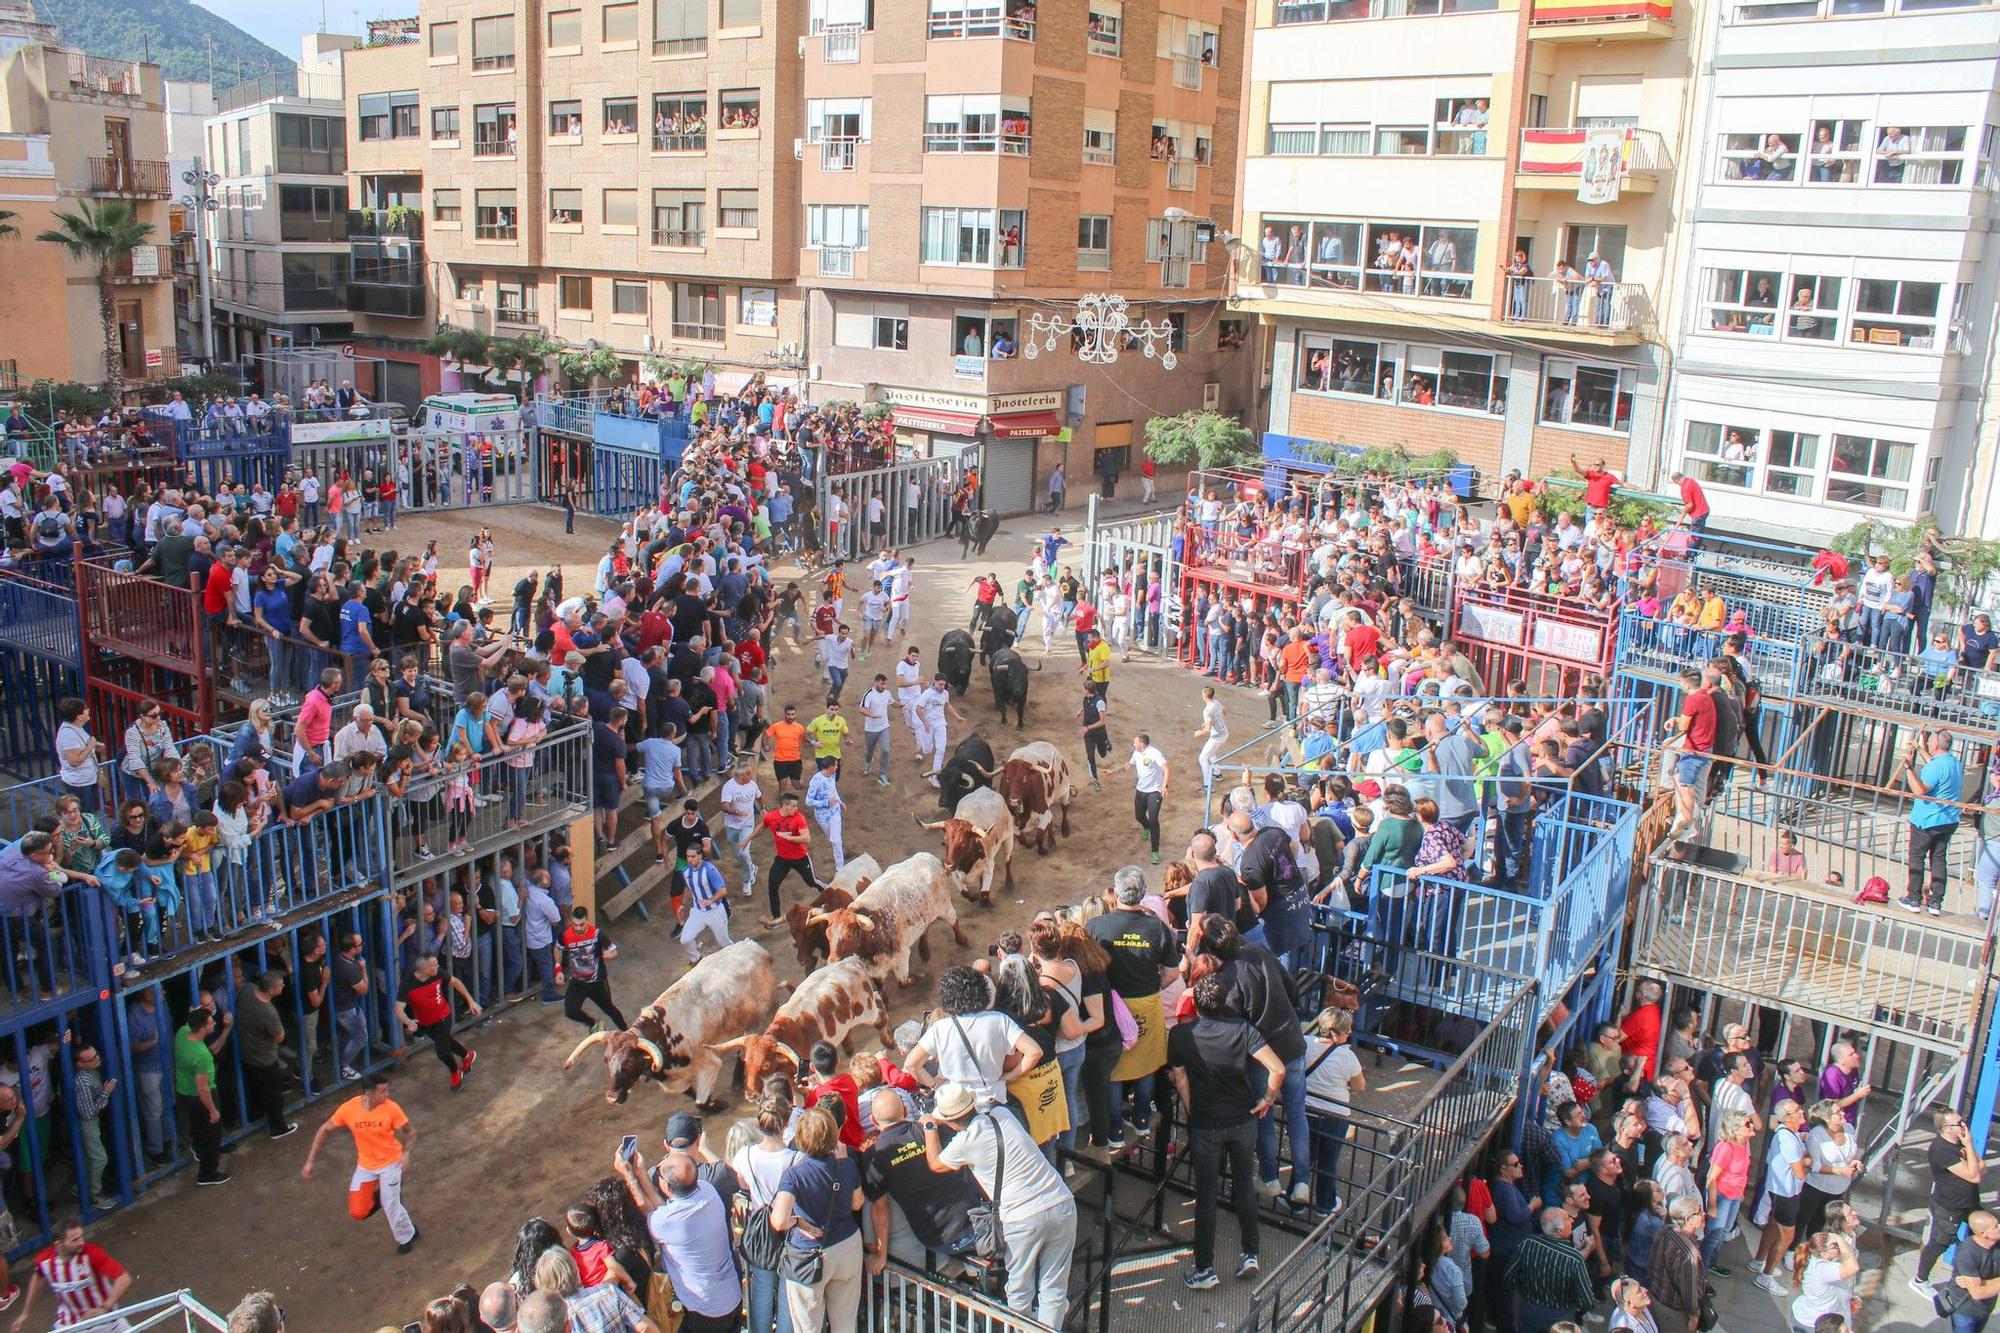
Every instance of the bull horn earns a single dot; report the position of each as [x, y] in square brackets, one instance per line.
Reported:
[583, 1046]
[933, 827]
[814, 918]
[863, 920]
[654, 1054]
[988, 773]
[733, 1044]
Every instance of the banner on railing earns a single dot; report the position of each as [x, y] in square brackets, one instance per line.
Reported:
[1492, 624]
[1559, 638]
[1603, 166]
[341, 432]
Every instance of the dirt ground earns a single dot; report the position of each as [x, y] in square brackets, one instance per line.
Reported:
[522, 1138]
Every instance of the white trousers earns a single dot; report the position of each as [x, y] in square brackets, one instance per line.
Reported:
[713, 920]
[389, 1184]
[1209, 749]
[899, 615]
[829, 824]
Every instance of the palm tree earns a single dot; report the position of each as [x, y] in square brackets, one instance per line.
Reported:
[7, 227]
[104, 235]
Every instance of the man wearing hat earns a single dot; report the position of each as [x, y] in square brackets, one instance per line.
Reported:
[1037, 1213]
[1142, 952]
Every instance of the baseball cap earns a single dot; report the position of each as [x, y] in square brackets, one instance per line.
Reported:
[683, 1130]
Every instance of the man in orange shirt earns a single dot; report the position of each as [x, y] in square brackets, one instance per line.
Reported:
[1295, 663]
[382, 1136]
[782, 740]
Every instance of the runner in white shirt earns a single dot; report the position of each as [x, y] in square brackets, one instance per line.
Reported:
[1121, 623]
[898, 584]
[1212, 733]
[874, 614]
[875, 706]
[1048, 598]
[741, 798]
[933, 705]
[1150, 775]
[910, 684]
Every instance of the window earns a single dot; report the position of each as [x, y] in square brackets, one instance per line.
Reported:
[978, 237]
[1742, 301]
[384, 116]
[1599, 397]
[1100, 135]
[1722, 454]
[983, 123]
[680, 123]
[757, 307]
[698, 311]
[621, 24]
[982, 18]
[1107, 22]
[403, 116]
[566, 119]
[1459, 126]
[444, 206]
[680, 217]
[1790, 464]
[565, 30]
[495, 128]
[736, 209]
[1933, 155]
[843, 226]
[740, 108]
[1834, 150]
[1767, 157]
[976, 334]
[493, 42]
[1896, 314]
[628, 298]
[1345, 365]
[621, 115]
[845, 121]
[892, 333]
[1093, 241]
[1873, 474]
[566, 207]
[517, 301]
[572, 293]
[742, 13]
[680, 27]
[1407, 258]
[444, 41]
[471, 287]
[1814, 311]
[444, 122]
[621, 209]
[495, 216]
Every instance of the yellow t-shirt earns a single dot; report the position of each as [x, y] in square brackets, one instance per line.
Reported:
[1714, 612]
[195, 859]
[374, 1130]
[827, 733]
[1098, 660]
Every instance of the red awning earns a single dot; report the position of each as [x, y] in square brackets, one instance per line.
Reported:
[948, 423]
[1008, 425]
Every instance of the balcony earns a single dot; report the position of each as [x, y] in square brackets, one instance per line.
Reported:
[1578, 307]
[840, 44]
[394, 301]
[96, 74]
[522, 317]
[493, 147]
[130, 179]
[683, 238]
[143, 265]
[1291, 12]
[982, 21]
[836, 261]
[163, 364]
[1187, 71]
[1181, 175]
[695, 142]
[838, 154]
[1553, 159]
[700, 333]
[978, 141]
[385, 222]
[1601, 20]
[311, 296]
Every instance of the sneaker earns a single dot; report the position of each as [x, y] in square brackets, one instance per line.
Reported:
[1765, 1282]
[99, 1205]
[1156, 858]
[348, 1075]
[1909, 904]
[1721, 1270]
[1936, 911]
[457, 1079]
[409, 1244]
[882, 781]
[1201, 1279]
[1115, 1147]
[1246, 1266]
[287, 1131]
[1301, 1193]
[1922, 1288]
[218, 1179]
[749, 889]
[1270, 1189]
[466, 1066]
[1757, 1267]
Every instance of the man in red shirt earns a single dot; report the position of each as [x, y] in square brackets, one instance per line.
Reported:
[1641, 1027]
[1694, 504]
[86, 1281]
[1363, 640]
[314, 728]
[1597, 484]
[1696, 727]
[218, 606]
[425, 1011]
[827, 1081]
[1083, 622]
[787, 826]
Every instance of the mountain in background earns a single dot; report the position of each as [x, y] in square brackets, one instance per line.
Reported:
[183, 39]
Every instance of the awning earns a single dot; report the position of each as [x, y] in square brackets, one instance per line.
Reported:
[1010, 425]
[947, 423]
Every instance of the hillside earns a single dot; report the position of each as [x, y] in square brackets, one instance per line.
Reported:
[185, 40]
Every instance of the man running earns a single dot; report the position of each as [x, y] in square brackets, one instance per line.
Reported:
[897, 581]
[823, 799]
[587, 959]
[910, 684]
[787, 826]
[86, 1281]
[874, 616]
[783, 745]
[424, 1010]
[933, 706]
[708, 903]
[1150, 775]
[383, 1137]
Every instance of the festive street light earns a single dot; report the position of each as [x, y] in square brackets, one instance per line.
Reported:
[1101, 326]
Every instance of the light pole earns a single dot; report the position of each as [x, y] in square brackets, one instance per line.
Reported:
[201, 201]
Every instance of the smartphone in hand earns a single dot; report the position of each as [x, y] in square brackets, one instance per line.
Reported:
[628, 1147]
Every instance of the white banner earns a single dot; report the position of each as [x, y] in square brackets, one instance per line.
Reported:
[1603, 167]
[336, 432]
[1491, 624]
[1579, 643]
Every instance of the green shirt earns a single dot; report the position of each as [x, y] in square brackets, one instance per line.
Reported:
[191, 1057]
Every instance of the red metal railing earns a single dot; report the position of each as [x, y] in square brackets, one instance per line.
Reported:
[1516, 632]
[143, 618]
[1248, 559]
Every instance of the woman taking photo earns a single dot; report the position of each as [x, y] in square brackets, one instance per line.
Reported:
[817, 1199]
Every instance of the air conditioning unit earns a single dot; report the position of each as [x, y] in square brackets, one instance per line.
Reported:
[798, 150]
[1211, 397]
[813, 372]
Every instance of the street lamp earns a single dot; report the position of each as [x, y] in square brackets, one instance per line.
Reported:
[201, 201]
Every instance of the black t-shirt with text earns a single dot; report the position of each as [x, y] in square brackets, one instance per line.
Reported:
[1949, 1191]
[1140, 945]
[933, 1202]
[1224, 1079]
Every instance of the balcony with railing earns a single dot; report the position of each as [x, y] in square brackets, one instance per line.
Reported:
[1574, 305]
[836, 261]
[691, 238]
[840, 43]
[1601, 20]
[1182, 176]
[1556, 159]
[1008, 142]
[1014, 21]
[386, 222]
[1289, 12]
[494, 146]
[130, 178]
[839, 153]
[99, 74]
[1188, 70]
[687, 141]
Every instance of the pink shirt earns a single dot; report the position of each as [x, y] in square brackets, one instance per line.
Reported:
[315, 719]
[724, 686]
[1732, 1165]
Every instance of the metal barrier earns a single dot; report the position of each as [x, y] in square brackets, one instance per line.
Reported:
[1201, 587]
[38, 614]
[1516, 633]
[914, 497]
[1430, 583]
[506, 801]
[142, 617]
[903, 1300]
[1248, 559]
[468, 470]
[1133, 548]
[176, 1310]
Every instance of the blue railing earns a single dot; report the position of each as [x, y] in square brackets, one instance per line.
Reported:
[38, 611]
[1653, 644]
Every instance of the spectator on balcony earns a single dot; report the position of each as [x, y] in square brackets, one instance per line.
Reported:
[147, 741]
[361, 733]
[1603, 283]
[1569, 283]
[1890, 150]
[1936, 776]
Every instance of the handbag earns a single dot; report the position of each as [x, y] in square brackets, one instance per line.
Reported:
[1121, 1017]
[985, 1217]
[1950, 1298]
[805, 1267]
[763, 1248]
[1706, 1315]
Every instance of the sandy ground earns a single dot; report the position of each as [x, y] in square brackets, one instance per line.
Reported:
[522, 1138]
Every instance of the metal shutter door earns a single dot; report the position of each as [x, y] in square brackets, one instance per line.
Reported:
[1008, 479]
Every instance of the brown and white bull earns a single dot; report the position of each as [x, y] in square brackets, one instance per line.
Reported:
[827, 1006]
[808, 936]
[888, 919]
[671, 1042]
[980, 833]
[1035, 784]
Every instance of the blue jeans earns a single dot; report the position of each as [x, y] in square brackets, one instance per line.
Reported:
[281, 664]
[542, 968]
[1136, 1096]
[1292, 1104]
[488, 968]
[1719, 1223]
[513, 959]
[350, 1036]
[1071, 1064]
[768, 1306]
[1967, 1322]
[517, 791]
[836, 678]
[1329, 1133]
[1986, 874]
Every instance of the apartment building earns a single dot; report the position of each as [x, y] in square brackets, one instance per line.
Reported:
[278, 244]
[971, 164]
[1834, 358]
[619, 173]
[1400, 155]
[75, 127]
[189, 105]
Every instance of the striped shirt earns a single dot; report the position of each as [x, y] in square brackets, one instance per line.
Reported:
[81, 1282]
[1551, 1274]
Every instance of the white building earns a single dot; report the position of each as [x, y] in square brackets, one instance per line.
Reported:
[1833, 356]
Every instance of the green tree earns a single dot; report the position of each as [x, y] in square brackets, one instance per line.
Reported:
[103, 235]
[7, 227]
[1965, 565]
[598, 363]
[1200, 439]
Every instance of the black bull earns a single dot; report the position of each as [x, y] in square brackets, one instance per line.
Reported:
[954, 660]
[1009, 674]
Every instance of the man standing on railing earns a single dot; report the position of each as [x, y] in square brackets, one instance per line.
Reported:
[1937, 777]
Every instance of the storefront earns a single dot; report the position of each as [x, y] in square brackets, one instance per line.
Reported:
[1001, 430]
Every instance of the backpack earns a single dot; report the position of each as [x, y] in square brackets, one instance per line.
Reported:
[49, 528]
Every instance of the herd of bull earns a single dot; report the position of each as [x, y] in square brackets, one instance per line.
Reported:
[865, 922]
